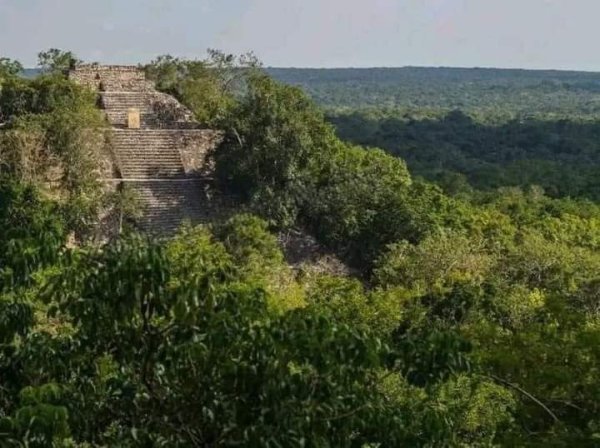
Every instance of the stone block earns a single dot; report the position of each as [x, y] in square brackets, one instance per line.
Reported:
[133, 118]
[111, 77]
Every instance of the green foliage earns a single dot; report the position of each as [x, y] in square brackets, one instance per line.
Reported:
[55, 140]
[126, 203]
[57, 61]
[259, 261]
[283, 159]
[42, 95]
[16, 319]
[276, 149]
[498, 94]
[349, 204]
[33, 231]
[347, 301]
[249, 242]
[438, 262]
[161, 358]
[479, 408]
[207, 87]
[40, 418]
[461, 152]
[9, 68]
[464, 128]
[195, 256]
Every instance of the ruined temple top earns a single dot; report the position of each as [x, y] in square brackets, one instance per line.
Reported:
[111, 77]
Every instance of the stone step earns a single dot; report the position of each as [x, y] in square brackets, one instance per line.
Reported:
[144, 103]
[159, 139]
[163, 142]
[117, 112]
[167, 204]
[125, 108]
[121, 119]
[151, 132]
[147, 154]
[122, 115]
[167, 152]
[150, 151]
[148, 157]
[154, 162]
[116, 105]
[140, 96]
[158, 152]
[129, 86]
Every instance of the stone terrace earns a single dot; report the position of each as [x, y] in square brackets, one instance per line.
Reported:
[163, 157]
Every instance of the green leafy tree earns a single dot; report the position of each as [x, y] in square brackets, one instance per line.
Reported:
[208, 87]
[9, 69]
[55, 139]
[33, 231]
[205, 363]
[57, 61]
[276, 150]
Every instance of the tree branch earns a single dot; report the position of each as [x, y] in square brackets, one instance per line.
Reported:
[527, 394]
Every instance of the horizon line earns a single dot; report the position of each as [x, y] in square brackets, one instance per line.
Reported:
[390, 67]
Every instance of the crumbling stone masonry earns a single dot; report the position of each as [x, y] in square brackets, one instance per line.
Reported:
[164, 157]
[125, 78]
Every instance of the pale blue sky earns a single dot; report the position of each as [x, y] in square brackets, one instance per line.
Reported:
[562, 34]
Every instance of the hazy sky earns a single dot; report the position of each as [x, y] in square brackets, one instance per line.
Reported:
[312, 33]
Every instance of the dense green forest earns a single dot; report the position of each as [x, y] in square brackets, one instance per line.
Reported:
[471, 128]
[496, 91]
[473, 320]
[461, 152]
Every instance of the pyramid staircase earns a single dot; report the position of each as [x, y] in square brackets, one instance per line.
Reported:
[150, 164]
[150, 159]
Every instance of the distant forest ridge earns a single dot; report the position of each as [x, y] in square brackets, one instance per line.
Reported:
[459, 74]
[486, 90]
[31, 72]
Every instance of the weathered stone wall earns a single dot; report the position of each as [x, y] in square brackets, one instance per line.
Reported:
[196, 147]
[111, 77]
[170, 113]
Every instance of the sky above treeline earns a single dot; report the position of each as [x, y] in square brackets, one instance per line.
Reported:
[559, 34]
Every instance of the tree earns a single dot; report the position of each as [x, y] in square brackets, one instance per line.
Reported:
[33, 231]
[9, 67]
[208, 87]
[276, 150]
[57, 61]
[438, 262]
[54, 138]
[195, 359]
